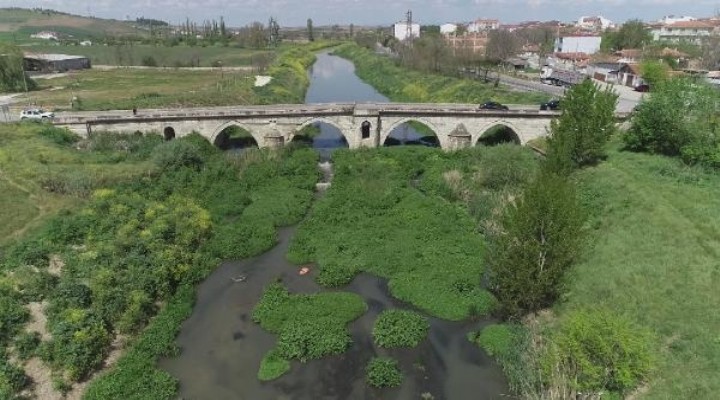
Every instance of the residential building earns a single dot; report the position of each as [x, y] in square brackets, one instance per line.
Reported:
[595, 24]
[604, 71]
[589, 44]
[483, 25]
[45, 35]
[401, 31]
[671, 19]
[473, 43]
[687, 31]
[447, 29]
[629, 75]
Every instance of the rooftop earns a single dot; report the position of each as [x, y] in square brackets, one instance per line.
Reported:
[52, 57]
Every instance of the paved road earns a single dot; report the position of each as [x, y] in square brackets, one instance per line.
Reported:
[627, 100]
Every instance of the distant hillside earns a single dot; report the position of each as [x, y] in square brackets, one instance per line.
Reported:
[20, 23]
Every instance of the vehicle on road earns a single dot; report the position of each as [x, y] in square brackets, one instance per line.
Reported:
[551, 105]
[642, 88]
[36, 114]
[492, 105]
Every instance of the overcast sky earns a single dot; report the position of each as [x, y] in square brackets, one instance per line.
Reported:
[374, 12]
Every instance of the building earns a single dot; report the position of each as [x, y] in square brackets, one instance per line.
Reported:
[629, 75]
[401, 31]
[447, 29]
[45, 35]
[483, 25]
[588, 44]
[469, 43]
[684, 31]
[54, 62]
[595, 24]
[671, 19]
[86, 43]
[604, 71]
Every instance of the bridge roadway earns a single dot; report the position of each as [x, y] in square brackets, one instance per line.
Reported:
[362, 124]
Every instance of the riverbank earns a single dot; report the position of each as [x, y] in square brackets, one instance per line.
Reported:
[404, 85]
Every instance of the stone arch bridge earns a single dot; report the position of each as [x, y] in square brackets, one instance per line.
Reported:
[363, 125]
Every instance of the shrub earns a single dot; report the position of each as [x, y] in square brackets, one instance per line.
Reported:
[149, 61]
[601, 351]
[26, 344]
[59, 136]
[178, 154]
[506, 165]
[311, 339]
[400, 328]
[383, 372]
[12, 379]
[273, 366]
[12, 316]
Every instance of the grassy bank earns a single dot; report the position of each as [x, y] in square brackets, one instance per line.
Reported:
[164, 56]
[125, 256]
[407, 215]
[404, 85]
[160, 88]
[656, 235]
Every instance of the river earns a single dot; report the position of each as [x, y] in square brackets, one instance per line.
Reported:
[222, 347]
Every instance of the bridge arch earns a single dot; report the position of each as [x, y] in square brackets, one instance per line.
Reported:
[169, 133]
[318, 120]
[216, 135]
[385, 134]
[512, 132]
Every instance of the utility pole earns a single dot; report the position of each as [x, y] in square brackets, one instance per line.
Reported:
[408, 27]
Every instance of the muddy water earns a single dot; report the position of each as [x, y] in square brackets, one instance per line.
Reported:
[222, 347]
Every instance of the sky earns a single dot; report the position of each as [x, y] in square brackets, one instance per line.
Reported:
[374, 12]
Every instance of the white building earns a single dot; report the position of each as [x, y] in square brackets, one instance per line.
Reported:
[447, 29]
[482, 25]
[595, 23]
[588, 44]
[686, 31]
[671, 19]
[400, 30]
[45, 35]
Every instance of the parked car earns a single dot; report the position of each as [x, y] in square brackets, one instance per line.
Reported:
[36, 114]
[550, 105]
[642, 88]
[492, 105]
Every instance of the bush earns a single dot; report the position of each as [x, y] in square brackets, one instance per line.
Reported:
[26, 344]
[178, 154]
[601, 351]
[149, 61]
[12, 316]
[12, 379]
[383, 372]
[506, 165]
[59, 136]
[400, 328]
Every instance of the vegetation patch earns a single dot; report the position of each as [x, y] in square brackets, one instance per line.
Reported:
[401, 84]
[400, 328]
[383, 372]
[273, 366]
[407, 214]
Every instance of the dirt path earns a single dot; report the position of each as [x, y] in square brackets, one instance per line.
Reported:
[42, 211]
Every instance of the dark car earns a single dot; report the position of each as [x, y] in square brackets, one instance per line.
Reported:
[492, 105]
[550, 105]
[642, 88]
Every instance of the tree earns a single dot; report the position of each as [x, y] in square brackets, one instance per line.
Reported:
[632, 35]
[273, 32]
[311, 36]
[12, 73]
[501, 45]
[654, 72]
[538, 240]
[578, 137]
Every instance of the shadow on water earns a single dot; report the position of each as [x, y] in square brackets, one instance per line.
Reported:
[222, 347]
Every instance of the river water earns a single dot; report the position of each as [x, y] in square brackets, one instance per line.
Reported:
[222, 347]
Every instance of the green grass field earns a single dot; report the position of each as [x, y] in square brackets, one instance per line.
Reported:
[125, 88]
[654, 256]
[164, 56]
[25, 22]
